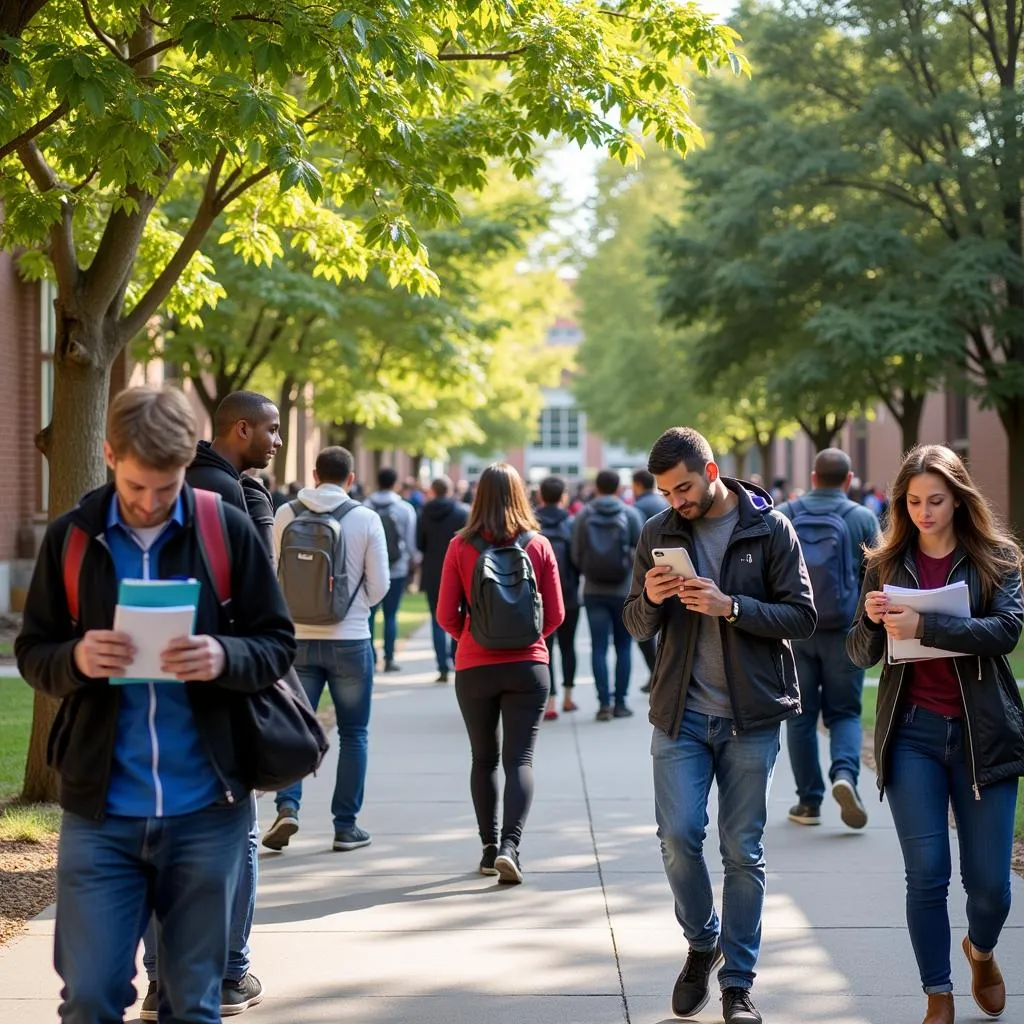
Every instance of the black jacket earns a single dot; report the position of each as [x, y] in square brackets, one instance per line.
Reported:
[993, 711]
[258, 652]
[440, 519]
[556, 525]
[212, 472]
[764, 569]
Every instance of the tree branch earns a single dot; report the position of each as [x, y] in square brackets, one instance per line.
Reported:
[62, 237]
[893, 191]
[225, 198]
[100, 34]
[152, 51]
[37, 129]
[499, 55]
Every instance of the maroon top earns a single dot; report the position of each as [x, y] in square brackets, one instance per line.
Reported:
[934, 684]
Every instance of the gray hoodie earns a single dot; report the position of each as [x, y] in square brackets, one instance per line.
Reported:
[405, 516]
[611, 504]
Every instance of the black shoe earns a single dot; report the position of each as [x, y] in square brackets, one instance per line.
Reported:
[805, 814]
[390, 666]
[442, 677]
[646, 688]
[286, 824]
[237, 996]
[151, 1004]
[692, 988]
[621, 711]
[507, 864]
[851, 809]
[604, 714]
[351, 838]
[737, 1007]
[487, 860]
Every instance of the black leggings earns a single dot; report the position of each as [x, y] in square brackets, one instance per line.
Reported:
[514, 694]
[566, 635]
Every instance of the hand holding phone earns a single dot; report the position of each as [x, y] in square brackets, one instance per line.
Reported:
[677, 559]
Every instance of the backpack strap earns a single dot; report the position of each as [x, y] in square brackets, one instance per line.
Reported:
[525, 537]
[214, 545]
[76, 540]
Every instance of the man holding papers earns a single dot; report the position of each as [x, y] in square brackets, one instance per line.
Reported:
[155, 811]
[950, 723]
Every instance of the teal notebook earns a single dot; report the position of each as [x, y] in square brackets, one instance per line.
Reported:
[153, 612]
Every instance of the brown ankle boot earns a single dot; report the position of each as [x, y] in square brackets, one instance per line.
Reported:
[940, 1009]
[987, 985]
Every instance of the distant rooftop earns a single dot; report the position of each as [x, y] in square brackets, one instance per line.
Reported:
[565, 333]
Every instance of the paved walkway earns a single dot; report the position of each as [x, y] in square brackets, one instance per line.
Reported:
[406, 930]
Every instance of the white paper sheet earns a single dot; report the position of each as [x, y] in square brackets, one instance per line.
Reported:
[954, 599]
[151, 629]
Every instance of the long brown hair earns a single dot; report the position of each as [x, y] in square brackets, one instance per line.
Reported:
[501, 508]
[990, 547]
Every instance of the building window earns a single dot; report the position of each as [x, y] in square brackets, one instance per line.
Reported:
[47, 344]
[558, 428]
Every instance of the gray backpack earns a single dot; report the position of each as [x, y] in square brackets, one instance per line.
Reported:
[312, 568]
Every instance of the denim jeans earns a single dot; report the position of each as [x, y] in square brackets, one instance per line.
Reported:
[830, 685]
[392, 599]
[345, 667]
[444, 645]
[604, 613]
[927, 772]
[112, 875]
[243, 906]
[706, 750]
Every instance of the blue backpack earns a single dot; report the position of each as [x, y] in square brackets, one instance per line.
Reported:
[828, 552]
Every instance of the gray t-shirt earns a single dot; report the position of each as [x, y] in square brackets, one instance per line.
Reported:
[709, 691]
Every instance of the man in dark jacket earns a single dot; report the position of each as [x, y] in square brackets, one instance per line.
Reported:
[725, 680]
[246, 434]
[441, 518]
[150, 778]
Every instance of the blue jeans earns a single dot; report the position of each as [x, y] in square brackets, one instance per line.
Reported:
[345, 667]
[604, 613]
[243, 907]
[684, 769]
[112, 875]
[830, 685]
[392, 599]
[444, 645]
[927, 771]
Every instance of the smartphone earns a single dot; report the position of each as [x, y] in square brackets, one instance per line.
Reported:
[677, 559]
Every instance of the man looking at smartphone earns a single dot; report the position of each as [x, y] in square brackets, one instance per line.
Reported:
[724, 683]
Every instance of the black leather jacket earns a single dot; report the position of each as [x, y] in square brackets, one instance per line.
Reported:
[993, 712]
[764, 569]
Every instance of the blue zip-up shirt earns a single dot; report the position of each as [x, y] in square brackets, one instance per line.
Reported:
[160, 768]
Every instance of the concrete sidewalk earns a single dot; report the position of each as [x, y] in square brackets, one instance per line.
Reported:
[405, 929]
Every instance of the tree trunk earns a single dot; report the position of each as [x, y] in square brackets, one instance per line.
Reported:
[80, 389]
[1012, 416]
[740, 455]
[346, 434]
[766, 449]
[821, 433]
[285, 405]
[912, 407]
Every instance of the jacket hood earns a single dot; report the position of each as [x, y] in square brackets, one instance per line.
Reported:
[759, 497]
[551, 515]
[325, 498]
[385, 498]
[607, 503]
[436, 509]
[754, 504]
[91, 511]
[207, 457]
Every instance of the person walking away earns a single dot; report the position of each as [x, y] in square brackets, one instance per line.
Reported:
[648, 503]
[604, 536]
[442, 517]
[500, 597]
[246, 435]
[149, 772]
[399, 520]
[833, 532]
[949, 729]
[332, 565]
[556, 525]
[725, 680]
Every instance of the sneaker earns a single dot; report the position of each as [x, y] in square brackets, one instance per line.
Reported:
[604, 714]
[286, 824]
[987, 985]
[621, 711]
[390, 666]
[507, 864]
[851, 810]
[151, 1004]
[442, 677]
[692, 988]
[737, 1007]
[805, 814]
[238, 996]
[351, 838]
[550, 715]
[487, 860]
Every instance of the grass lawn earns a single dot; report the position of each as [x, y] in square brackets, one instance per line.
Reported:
[6, 648]
[15, 720]
[412, 613]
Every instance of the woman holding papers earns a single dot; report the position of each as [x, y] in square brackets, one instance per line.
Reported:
[950, 726]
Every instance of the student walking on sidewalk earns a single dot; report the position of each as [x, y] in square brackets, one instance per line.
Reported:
[949, 729]
[499, 586]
